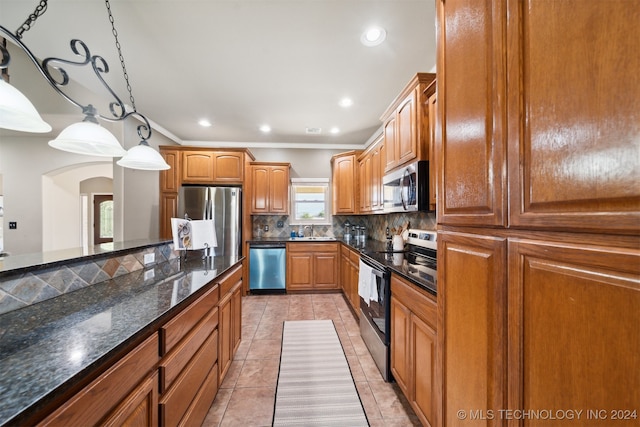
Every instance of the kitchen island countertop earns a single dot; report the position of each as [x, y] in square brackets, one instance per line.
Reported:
[48, 347]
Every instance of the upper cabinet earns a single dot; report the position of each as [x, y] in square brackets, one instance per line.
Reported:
[345, 183]
[196, 165]
[406, 123]
[540, 125]
[206, 167]
[269, 188]
[371, 165]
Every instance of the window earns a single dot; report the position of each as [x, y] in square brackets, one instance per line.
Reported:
[310, 201]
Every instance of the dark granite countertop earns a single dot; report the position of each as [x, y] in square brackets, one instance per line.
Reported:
[48, 347]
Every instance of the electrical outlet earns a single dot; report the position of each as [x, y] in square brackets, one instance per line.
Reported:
[149, 274]
[13, 225]
[149, 258]
[266, 227]
[280, 224]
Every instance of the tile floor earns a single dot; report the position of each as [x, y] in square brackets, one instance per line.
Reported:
[247, 395]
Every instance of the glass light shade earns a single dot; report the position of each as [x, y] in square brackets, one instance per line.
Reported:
[143, 157]
[17, 112]
[88, 138]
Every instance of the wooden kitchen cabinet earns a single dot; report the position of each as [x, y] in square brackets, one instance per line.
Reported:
[413, 347]
[371, 167]
[230, 315]
[349, 269]
[269, 188]
[125, 394]
[313, 266]
[433, 164]
[170, 178]
[548, 176]
[345, 183]
[168, 210]
[406, 123]
[212, 167]
[189, 348]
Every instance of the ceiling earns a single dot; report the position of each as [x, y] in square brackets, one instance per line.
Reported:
[243, 63]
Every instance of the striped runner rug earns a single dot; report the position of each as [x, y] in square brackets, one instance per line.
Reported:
[315, 386]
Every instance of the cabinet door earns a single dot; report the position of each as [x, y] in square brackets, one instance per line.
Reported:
[299, 270]
[376, 176]
[423, 365]
[197, 167]
[433, 164]
[170, 178]
[344, 184]
[224, 330]
[168, 210]
[228, 167]
[574, 315]
[405, 139]
[236, 318]
[365, 184]
[472, 301]
[471, 150]
[279, 190]
[391, 148]
[325, 270]
[259, 189]
[400, 347]
[574, 162]
[355, 298]
[140, 408]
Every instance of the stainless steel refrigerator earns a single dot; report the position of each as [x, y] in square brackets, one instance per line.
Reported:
[224, 206]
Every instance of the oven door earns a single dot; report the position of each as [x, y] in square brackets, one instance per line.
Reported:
[377, 311]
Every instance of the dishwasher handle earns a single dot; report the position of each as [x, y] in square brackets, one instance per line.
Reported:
[267, 246]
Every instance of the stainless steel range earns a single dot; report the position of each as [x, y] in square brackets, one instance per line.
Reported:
[417, 262]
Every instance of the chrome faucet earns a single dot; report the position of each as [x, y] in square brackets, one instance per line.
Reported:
[308, 227]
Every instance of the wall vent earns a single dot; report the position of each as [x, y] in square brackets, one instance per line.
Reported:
[314, 131]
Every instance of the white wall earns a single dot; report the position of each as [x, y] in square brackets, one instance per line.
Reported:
[305, 163]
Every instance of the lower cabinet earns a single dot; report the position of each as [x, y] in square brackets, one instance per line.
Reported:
[349, 269]
[312, 266]
[413, 347]
[230, 320]
[189, 346]
[126, 394]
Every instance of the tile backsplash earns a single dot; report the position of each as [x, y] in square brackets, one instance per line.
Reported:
[39, 284]
[375, 224]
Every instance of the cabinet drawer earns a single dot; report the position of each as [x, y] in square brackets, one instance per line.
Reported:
[354, 257]
[175, 329]
[199, 408]
[230, 281]
[419, 302]
[100, 397]
[179, 357]
[176, 401]
[313, 247]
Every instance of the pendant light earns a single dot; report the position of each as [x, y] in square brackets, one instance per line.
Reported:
[17, 112]
[143, 157]
[88, 137]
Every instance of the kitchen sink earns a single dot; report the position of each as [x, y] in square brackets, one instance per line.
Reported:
[325, 238]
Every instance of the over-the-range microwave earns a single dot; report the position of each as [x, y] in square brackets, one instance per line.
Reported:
[407, 189]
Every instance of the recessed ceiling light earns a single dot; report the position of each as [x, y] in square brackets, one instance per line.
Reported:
[373, 36]
[345, 102]
[265, 128]
[334, 130]
[204, 123]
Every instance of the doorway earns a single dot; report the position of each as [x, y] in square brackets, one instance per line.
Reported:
[102, 218]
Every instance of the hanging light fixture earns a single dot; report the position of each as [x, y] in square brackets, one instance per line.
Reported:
[17, 112]
[86, 137]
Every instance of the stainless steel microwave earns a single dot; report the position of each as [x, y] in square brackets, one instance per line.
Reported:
[407, 189]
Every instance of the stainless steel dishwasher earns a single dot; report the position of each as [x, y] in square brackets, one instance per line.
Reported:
[267, 267]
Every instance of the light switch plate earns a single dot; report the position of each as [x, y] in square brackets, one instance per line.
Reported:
[149, 258]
